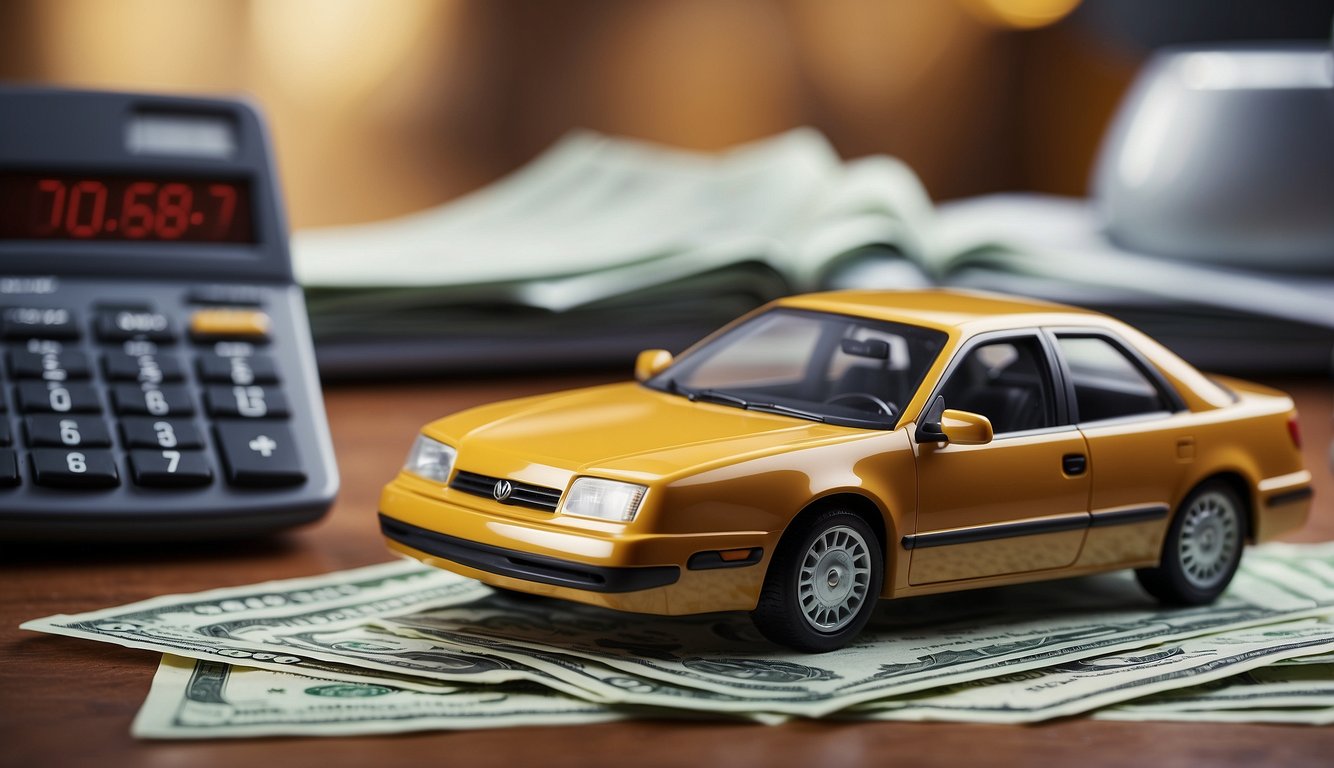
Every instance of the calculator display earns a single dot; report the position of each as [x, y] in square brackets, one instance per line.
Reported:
[45, 206]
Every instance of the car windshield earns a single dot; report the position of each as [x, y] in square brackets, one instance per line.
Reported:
[813, 365]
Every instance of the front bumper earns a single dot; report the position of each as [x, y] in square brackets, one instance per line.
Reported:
[522, 565]
[588, 562]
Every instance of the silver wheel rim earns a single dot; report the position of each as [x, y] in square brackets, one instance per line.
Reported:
[834, 579]
[1210, 539]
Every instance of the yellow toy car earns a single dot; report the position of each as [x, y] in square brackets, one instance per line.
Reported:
[831, 449]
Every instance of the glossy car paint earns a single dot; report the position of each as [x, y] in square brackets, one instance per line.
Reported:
[950, 516]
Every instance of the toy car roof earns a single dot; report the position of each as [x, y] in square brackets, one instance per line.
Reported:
[950, 310]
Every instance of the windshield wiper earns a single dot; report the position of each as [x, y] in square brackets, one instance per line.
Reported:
[714, 396]
[785, 410]
[723, 398]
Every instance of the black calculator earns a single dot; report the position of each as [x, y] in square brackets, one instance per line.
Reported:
[158, 380]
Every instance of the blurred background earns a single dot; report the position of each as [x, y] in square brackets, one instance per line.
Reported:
[378, 109]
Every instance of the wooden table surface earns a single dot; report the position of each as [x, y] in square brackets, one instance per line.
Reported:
[70, 702]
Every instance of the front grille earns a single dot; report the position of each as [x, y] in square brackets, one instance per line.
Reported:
[521, 495]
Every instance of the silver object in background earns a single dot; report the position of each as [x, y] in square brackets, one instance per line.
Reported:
[1225, 156]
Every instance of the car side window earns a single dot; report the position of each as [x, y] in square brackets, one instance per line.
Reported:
[1008, 381]
[1108, 384]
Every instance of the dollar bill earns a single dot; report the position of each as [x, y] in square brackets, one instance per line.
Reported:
[1078, 687]
[240, 624]
[911, 646]
[193, 699]
[419, 629]
[1280, 686]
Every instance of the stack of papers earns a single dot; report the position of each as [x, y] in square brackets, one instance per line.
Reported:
[607, 246]
[603, 246]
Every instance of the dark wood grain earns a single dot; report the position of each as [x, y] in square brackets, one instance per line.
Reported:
[70, 702]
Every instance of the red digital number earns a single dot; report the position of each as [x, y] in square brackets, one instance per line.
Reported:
[136, 210]
[173, 210]
[97, 209]
[226, 195]
[57, 191]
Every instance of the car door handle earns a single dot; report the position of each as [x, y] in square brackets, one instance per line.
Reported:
[1074, 463]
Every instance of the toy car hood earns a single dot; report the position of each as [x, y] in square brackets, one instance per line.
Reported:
[626, 429]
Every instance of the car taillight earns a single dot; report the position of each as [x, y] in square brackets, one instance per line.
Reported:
[1295, 430]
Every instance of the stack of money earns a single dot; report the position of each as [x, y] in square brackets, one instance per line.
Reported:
[399, 647]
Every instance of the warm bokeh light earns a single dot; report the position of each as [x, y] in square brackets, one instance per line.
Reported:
[338, 52]
[381, 108]
[1021, 14]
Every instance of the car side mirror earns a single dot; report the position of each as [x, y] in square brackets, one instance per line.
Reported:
[946, 425]
[651, 362]
[929, 428]
[965, 428]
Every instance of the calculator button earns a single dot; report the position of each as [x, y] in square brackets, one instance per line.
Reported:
[251, 369]
[123, 324]
[74, 469]
[9, 468]
[6, 435]
[170, 468]
[140, 432]
[208, 324]
[251, 402]
[145, 368]
[52, 365]
[167, 400]
[53, 397]
[69, 431]
[258, 453]
[38, 323]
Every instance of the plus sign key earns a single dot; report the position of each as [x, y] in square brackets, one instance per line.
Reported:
[259, 454]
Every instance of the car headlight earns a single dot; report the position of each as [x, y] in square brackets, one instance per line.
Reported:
[430, 459]
[604, 499]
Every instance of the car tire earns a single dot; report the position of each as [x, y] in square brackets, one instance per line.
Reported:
[822, 584]
[1202, 549]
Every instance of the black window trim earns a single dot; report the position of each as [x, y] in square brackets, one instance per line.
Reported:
[1056, 379]
[1166, 392]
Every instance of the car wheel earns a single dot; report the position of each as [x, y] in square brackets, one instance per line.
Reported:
[1202, 550]
[822, 584]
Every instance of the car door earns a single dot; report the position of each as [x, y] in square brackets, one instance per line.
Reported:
[1019, 503]
[1140, 440]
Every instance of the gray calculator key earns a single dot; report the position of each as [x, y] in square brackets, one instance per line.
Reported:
[166, 400]
[6, 435]
[68, 430]
[78, 468]
[170, 468]
[125, 324]
[50, 365]
[57, 397]
[146, 368]
[259, 453]
[141, 432]
[243, 370]
[253, 402]
[38, 323]
[9, 468]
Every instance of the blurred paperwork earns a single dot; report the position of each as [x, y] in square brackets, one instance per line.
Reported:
[603, 246]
